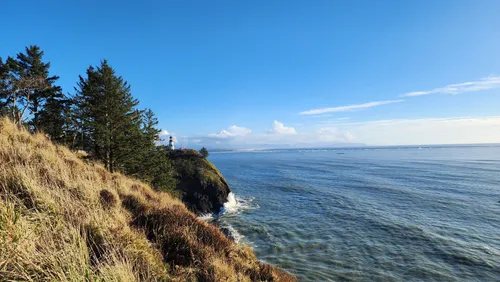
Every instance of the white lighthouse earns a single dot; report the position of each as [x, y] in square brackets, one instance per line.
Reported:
[171, 144]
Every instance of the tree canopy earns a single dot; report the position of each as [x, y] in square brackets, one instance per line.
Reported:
[26, 87]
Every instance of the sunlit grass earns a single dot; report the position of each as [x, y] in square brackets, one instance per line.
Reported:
[65, 219]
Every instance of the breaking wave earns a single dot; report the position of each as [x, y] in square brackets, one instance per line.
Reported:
[235, 205]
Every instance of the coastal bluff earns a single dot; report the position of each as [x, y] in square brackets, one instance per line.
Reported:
[64, 218]
[201, 185]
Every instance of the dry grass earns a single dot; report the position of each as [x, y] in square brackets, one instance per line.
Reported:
[63, 219]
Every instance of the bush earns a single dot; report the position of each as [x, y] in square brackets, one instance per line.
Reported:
[204, 152]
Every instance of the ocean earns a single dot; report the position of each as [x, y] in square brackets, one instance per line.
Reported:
[368, 214]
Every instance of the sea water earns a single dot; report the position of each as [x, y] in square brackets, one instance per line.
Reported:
[368, 214]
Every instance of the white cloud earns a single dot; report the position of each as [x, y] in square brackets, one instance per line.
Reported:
[349, 107]
[280, 128]
[232, 131]
[455, 130]
[479, 85]
[333, 134]
[321, 115]
[452, 130]
[165, 136]
[222, 134]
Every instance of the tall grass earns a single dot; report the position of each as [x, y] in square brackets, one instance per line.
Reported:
[64, 219]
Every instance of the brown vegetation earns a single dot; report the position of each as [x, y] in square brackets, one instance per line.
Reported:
[64, 219]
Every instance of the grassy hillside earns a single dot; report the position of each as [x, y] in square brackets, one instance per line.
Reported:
[62, 219]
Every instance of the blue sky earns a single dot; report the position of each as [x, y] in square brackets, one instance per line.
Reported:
[248, 74]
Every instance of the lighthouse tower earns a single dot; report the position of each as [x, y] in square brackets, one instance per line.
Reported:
[171, 144]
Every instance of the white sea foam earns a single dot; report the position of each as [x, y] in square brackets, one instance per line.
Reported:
[233, 232]
[207, 216]
[236, 204]
[232, 207]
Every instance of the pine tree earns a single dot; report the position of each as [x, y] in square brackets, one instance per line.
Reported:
[54, 119]
[149, 128]
[28, 86]
[143, 144]
[83, 111]
[110, 122]
[161, 171]
[152, 164]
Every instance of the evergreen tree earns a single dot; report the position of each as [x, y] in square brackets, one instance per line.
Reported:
[54, 118]
[28, 86]
[110, 122]
[82, 111]
[157, 169]
[144, 144]
[149, 128]
[160, 172]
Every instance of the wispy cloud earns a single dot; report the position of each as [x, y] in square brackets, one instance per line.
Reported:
[452, 89]
[349, 108]
[391, 122]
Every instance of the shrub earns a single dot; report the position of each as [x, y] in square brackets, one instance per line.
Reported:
[108, 200]
[204, 152]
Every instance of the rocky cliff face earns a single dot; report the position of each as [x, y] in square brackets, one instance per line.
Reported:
[203, 188]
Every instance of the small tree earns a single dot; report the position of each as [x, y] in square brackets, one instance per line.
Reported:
[204, 152]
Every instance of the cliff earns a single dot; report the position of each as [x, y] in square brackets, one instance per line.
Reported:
[202, 186]
[65, 219]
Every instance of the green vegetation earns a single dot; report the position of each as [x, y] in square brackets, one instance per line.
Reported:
[101, 118]
[201, 186]
[27, 89]
[192, 164]
[65, 217]
[204, 152]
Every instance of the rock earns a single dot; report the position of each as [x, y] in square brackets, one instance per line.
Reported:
[202, 186]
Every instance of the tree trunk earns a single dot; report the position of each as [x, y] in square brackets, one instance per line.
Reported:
[111, 167]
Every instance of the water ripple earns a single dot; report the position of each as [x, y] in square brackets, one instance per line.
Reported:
[398, 214]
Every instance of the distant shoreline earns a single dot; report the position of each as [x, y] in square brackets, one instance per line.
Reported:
[357, 147]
